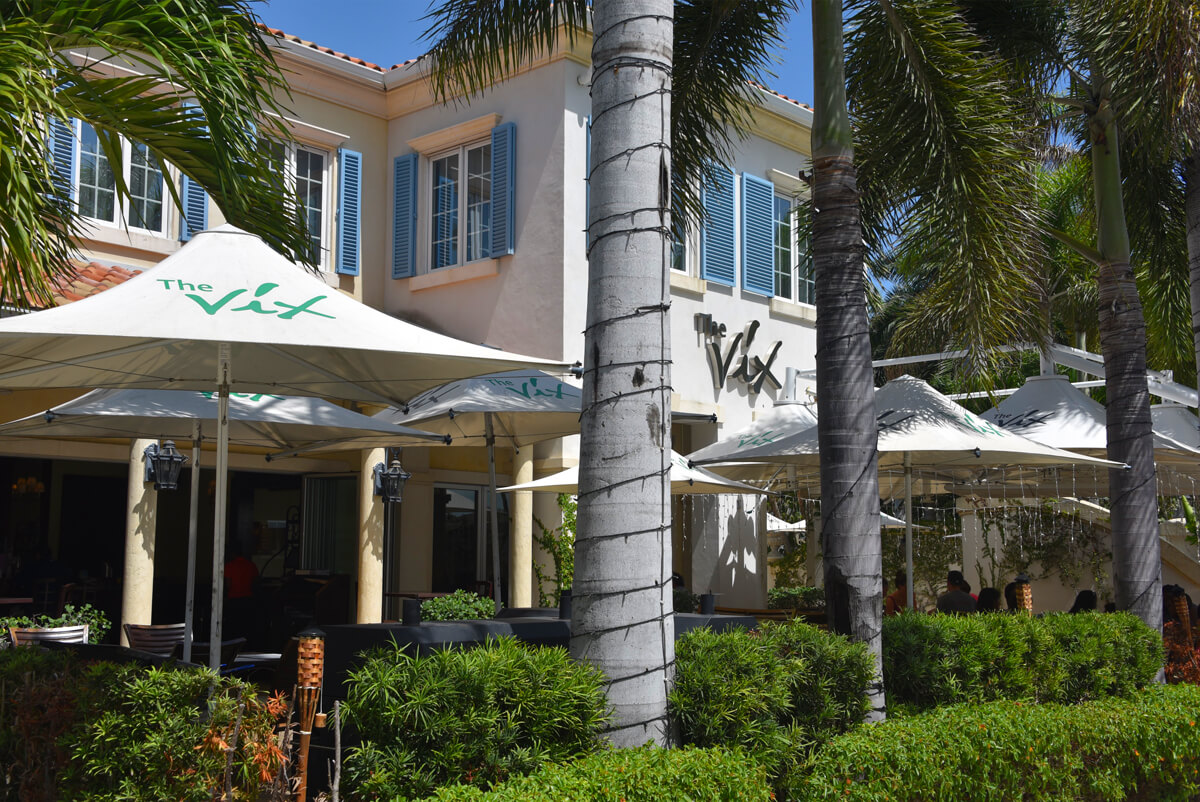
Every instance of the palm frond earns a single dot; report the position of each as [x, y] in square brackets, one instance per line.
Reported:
[208, 54]
[946, 166]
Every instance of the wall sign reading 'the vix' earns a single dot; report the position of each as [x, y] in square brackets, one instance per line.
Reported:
[752, 371]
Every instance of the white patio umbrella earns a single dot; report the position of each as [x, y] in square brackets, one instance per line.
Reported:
[227, 312]
[255, 420]
[685, 480]
[517, 408]
[1177, 422]
[779, 525]
[918, 426]
[1050, 410]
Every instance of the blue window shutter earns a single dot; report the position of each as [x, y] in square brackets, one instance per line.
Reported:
[504, 164]
[404, 216]
[717, 253]
[349, 211]
[62, 154]
[195, 209]
[758, 238]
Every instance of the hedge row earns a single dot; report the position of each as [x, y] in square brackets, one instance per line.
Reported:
[1145, 747]
[632, 775]
[477, 716]
[774, 694]
[935, 660]
[99, 731]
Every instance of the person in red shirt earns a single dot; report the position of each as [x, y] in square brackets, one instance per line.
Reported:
[241, 574]
[897, 601]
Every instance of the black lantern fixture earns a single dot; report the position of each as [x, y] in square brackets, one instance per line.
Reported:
[163, 464]
[389, 482]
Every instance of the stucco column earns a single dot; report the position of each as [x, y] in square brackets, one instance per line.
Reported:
[520, 541]
[370, 540]
[141, 518]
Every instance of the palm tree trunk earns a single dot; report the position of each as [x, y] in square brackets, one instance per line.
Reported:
[623, 620]
[845, 384]
[1137, 565]
[1191, 189]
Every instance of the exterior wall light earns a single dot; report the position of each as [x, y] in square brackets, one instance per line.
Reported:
[163, 464]
[389, 482]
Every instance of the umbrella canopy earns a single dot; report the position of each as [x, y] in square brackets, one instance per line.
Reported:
[226, 312]
[939, 436]
[779, 525]
[775, 423]
[526, 406]
[1050, 410]
[685, 480]
[255, 420]
[286, 330]
[1177, 422]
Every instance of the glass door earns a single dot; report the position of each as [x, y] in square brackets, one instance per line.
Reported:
[462, 555]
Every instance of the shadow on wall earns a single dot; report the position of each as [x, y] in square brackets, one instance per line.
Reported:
[739, 569]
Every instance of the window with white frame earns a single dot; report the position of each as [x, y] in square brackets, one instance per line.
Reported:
[307, 170]
[679, 249]
[96, 183]
[460, 206]
[793, 271]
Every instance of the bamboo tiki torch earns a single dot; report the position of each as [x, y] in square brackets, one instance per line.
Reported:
[310, 669]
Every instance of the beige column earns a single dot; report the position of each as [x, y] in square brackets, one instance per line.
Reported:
[141, 518]
[520, 541]
[370, 540]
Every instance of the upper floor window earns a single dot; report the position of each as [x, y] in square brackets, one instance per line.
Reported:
[453, 197]
[307, 171]
[461, 202]
[95, 183]
[678, 248]
[793, 274]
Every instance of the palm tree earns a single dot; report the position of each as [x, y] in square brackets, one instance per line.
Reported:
[623, 614]
[204, 78]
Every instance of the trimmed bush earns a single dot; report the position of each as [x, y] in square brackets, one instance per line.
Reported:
[633, 775]
[476, 716]
[800, 597]
[775, 694]
[101, 731]
[933, 660]
[461, 605]
[1144, 747]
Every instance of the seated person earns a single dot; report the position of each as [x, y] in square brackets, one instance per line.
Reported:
[897, 601]
[956, 600]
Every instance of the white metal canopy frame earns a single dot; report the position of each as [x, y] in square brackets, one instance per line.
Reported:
[255, 420]
[227, 312]
[920, 427]
[685, 480]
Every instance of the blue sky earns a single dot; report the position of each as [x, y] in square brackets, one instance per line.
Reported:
[388, 32]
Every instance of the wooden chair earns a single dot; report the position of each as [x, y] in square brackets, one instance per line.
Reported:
[159, 639]
[23, 636]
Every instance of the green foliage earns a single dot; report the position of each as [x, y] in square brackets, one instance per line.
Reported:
[1144, 747]
[1043, 542]
[70, 730]
[477, 716]
[461, 605]
[684, 601]
[97, 621]
[795, 598]
[935, 660]
[647, 774]
[559, 543]
[775, 694]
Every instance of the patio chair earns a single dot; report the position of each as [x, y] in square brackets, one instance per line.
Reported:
[28, 636]
[159, 639]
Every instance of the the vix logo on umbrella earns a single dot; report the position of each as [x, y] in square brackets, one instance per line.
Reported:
[213, 304]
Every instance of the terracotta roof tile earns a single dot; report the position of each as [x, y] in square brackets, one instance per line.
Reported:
[780, 95]
[276, 32]
[88, 279]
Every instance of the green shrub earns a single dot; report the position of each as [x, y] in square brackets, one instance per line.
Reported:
[1145, 747]
[632, 775]
[97, 621]
[461, 605]
[476, 716]
[92, 732]
[775, 694]
[795, 598]
[932, 660]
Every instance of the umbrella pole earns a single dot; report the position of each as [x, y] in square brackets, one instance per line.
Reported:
[218, 575]
[494, 501]
[908, 561]
[193, 524]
